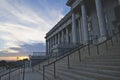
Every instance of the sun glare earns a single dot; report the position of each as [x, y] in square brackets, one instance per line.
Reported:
[22, 57]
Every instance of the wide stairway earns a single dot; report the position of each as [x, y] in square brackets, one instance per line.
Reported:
[104, 65]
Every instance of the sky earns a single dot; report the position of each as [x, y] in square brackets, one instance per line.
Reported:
[24, 24]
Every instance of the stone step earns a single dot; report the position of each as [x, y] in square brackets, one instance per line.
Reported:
[64, 75]
[99, 59]
[114, 62]
[92, 75]
[102, 60]
[94, 66]
[92, 69]
[105, 66]
[104, 63]
[47, 75]
[105, 56]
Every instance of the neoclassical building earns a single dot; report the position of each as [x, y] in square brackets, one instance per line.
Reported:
[88, 21]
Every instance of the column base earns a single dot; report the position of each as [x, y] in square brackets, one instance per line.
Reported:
[102, 39]
[99, 40]
[85, 42]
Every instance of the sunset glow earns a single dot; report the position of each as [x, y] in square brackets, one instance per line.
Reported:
[22, 57]
[8, 58]
[14, 58]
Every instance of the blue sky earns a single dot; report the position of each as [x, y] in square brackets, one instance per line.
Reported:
[24, 23]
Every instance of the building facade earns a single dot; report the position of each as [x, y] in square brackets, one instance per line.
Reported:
[87, 21]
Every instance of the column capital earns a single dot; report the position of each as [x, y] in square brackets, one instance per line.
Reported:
[72, 10]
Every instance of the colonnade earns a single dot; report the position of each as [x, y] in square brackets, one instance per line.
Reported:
[63, 35]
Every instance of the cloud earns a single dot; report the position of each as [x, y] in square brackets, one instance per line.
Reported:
[36, 47]
[24, 23]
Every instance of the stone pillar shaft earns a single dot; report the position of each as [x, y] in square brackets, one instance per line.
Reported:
[62, 36]
[58, 38]
[80, 31]
[67, 35]
[73, 28]
[101, 18]
[50, 46]
[47, 47]
[51, 41]
[119, 2]
[84, 23]
[55, 39]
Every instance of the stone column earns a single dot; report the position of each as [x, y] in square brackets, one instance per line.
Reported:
[67, 37]
[62, 36]
[84, 23]
[74, 39]
[55, 39]
[101, 20]
[51, 42]
[58, 38]
[119, 2]
[80, 31]
[46, 47]
[50, 45]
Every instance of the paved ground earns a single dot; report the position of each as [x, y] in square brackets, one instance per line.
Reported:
[18, 75]
[32, 75]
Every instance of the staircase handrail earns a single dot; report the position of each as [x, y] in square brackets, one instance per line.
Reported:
[10, 71]
[72, 51]
[49, 57]
[67, 54]
[61, 57]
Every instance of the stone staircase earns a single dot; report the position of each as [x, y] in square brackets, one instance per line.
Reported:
[105, 66]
